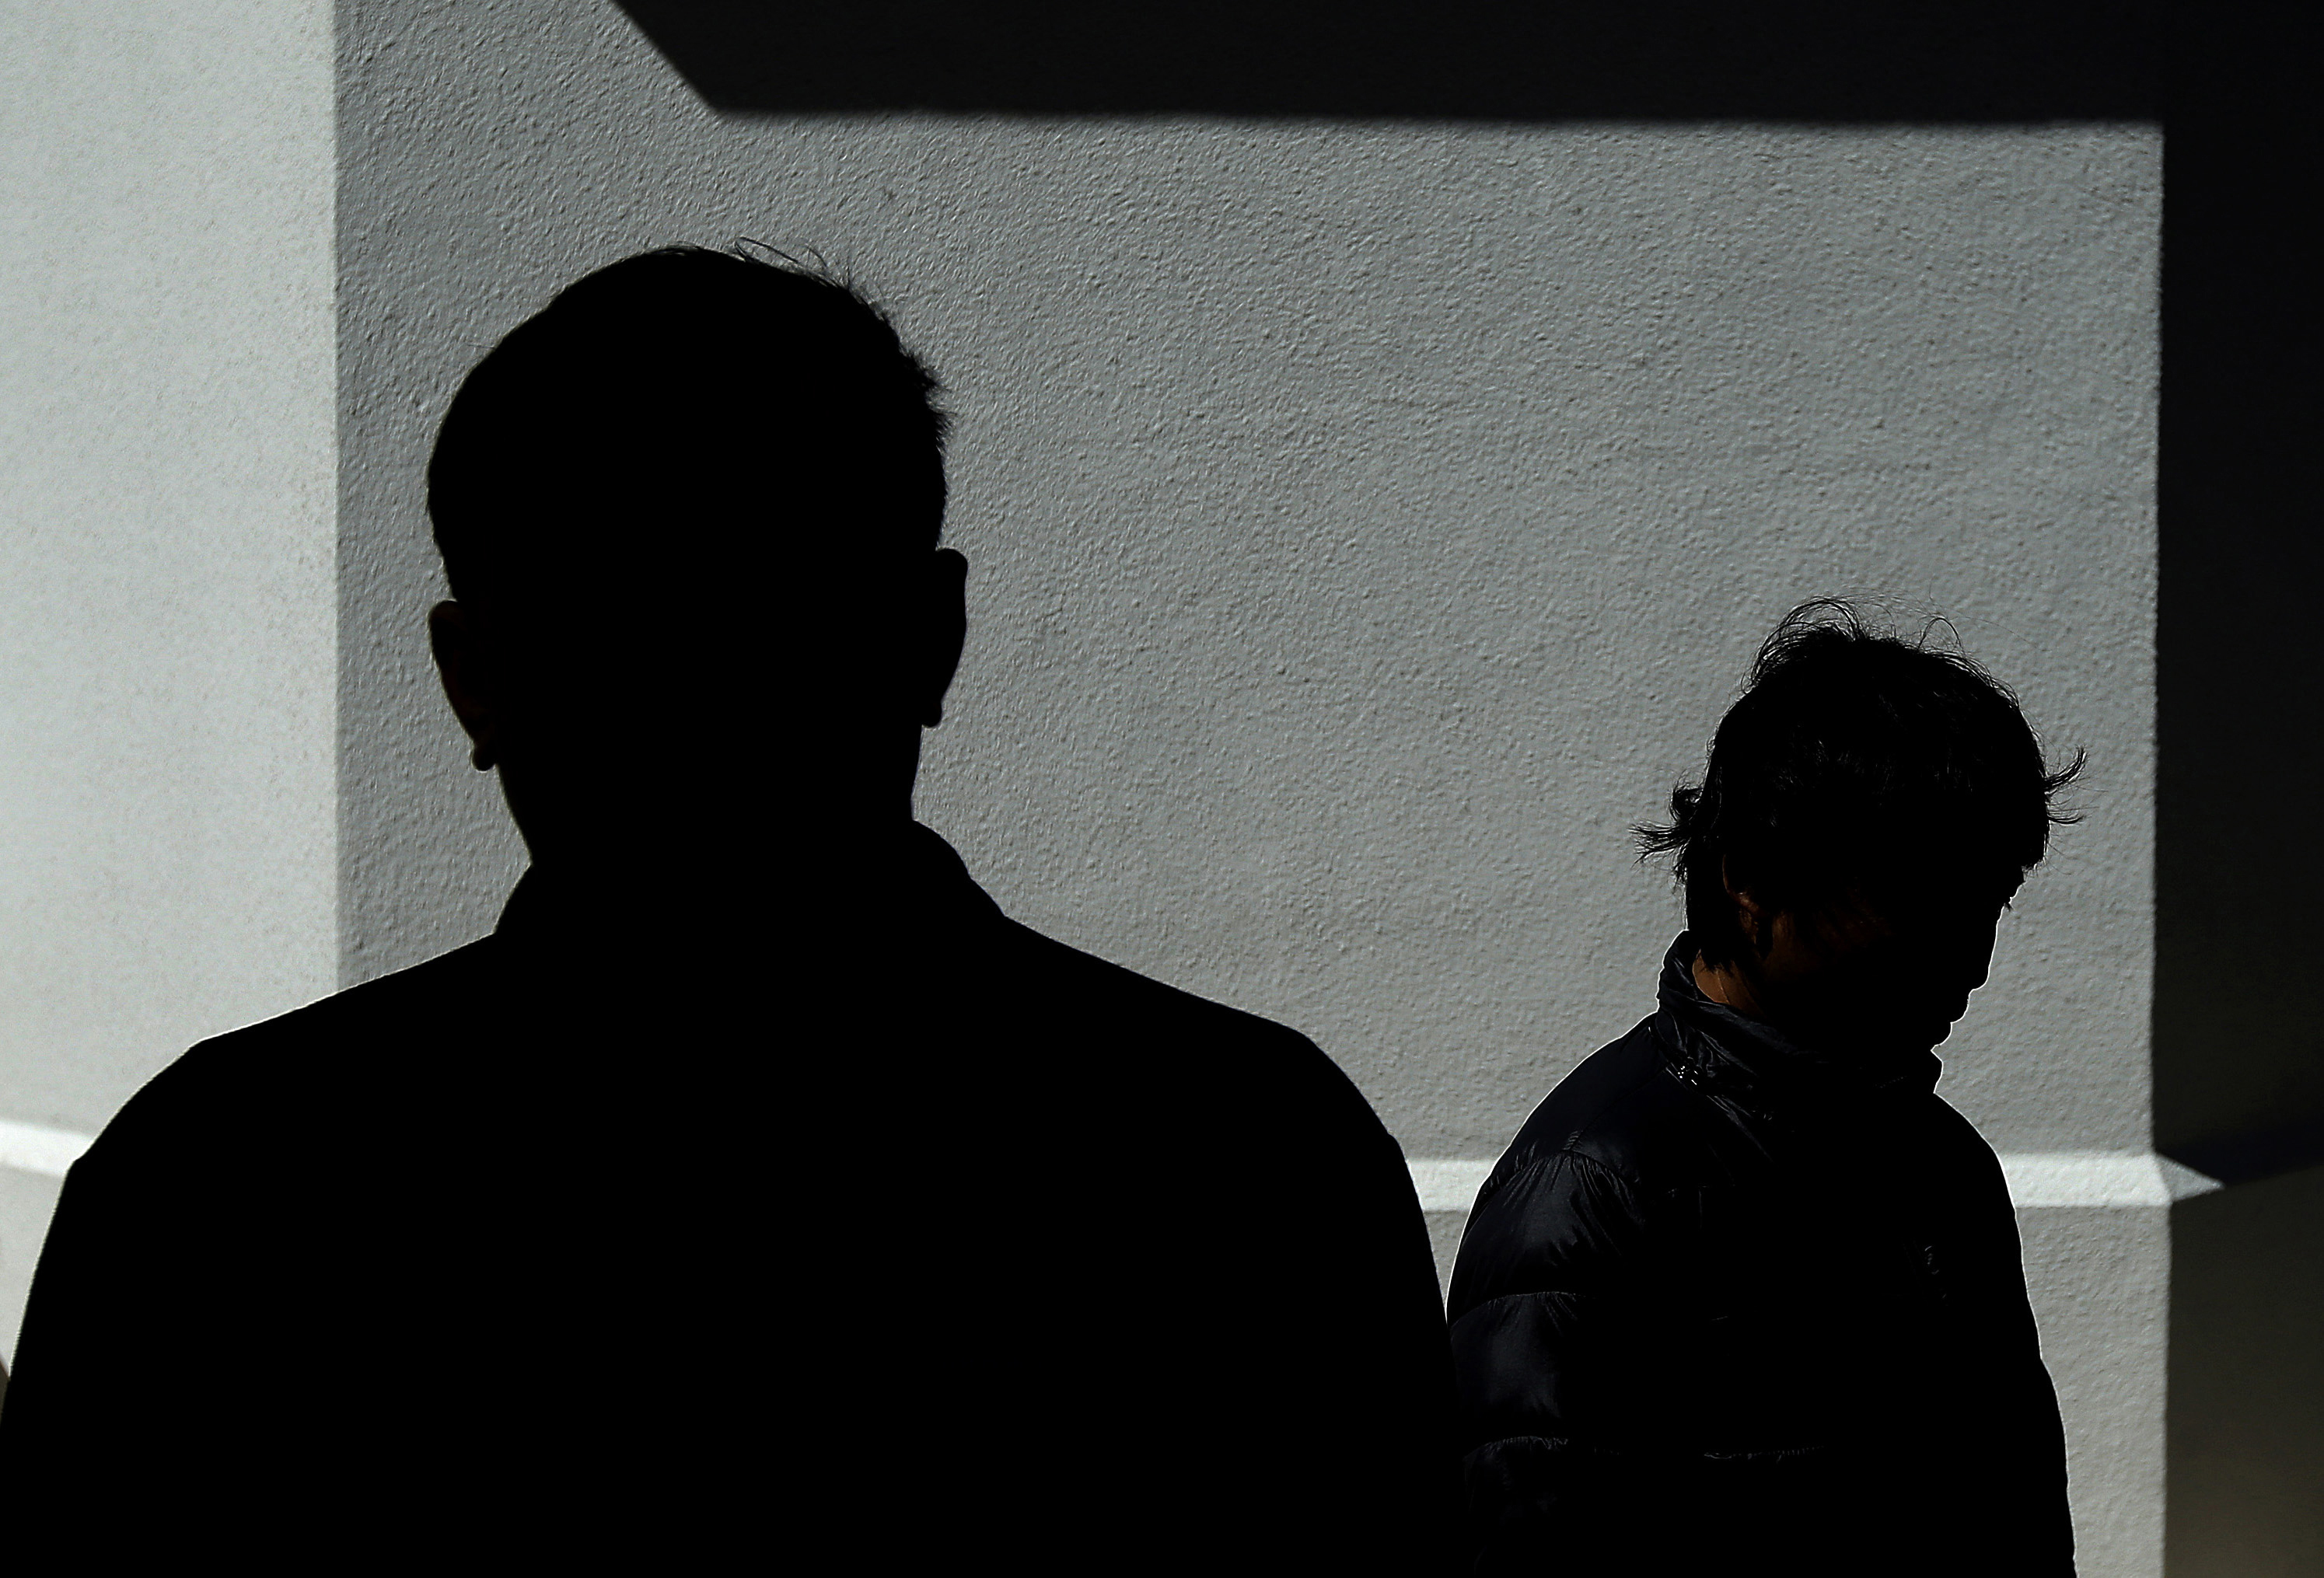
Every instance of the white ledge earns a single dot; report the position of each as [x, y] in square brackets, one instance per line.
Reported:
[1447, 1184]
[2099, 1177]
[30, 1148]
[2037, 1179]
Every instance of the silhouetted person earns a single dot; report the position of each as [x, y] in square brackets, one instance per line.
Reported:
[1745, 1295]
[757, 1192]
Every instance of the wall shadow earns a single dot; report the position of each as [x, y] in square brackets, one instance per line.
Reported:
[2239, 1049]
[2247, 1417]
[2239, 854]
[1481, 60]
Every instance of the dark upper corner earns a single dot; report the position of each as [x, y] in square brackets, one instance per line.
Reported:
[2255, 1154]
[1796, 60]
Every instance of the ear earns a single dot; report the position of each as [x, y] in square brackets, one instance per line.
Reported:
[461, 661]
[943, 627]
[1751, 916]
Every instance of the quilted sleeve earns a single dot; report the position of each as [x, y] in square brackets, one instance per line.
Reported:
[1551, 1358]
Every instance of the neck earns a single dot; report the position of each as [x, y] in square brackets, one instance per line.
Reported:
[823, 850]
[1728, 986]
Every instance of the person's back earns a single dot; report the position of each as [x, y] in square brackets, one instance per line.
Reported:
[1745, 1295]
[757, 1180]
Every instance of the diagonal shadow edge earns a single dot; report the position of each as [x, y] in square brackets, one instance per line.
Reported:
[1465, 60]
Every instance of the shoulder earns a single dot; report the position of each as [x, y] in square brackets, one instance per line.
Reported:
[309, 1037]
[1276, 1075]
[1090, 982]
[1956, 1139]
[1966, 1167]
[1080, 983]
[1619, 1113]
[269, 1074]
[1568, 1204]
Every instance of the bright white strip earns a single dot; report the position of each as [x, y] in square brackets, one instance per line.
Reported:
[2099, 1177]
[30, 1148]
[1447, 1184]
[2037, 1178]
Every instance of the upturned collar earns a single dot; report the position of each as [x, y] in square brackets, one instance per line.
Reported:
[1712, 1047]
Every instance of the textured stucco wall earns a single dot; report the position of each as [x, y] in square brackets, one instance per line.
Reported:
[167, 448]
[1369, 521]
[2095, 1277]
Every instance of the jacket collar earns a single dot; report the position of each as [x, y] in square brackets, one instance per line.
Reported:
[910, 882]
[1711, 1046]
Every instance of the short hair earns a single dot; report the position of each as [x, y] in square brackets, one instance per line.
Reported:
[1859, 766]
[677, 410]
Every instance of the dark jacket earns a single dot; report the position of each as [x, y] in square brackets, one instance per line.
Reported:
[1729, 1305]
[888, 1237]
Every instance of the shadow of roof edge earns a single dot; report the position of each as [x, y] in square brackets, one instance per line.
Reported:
[1800, 61]
[2031, 123]
[2253, 1155]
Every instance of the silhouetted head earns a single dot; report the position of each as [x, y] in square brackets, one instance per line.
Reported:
[689, 513]
[1869, 808]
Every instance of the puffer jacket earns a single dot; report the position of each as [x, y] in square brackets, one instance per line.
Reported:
[1730, 1304]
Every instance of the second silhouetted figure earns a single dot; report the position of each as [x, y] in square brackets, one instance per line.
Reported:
[1744, 1296]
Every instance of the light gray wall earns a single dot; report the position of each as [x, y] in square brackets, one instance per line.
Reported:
[2096, 1278]
[167, 450]
[168, 778]
[1368, 522]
